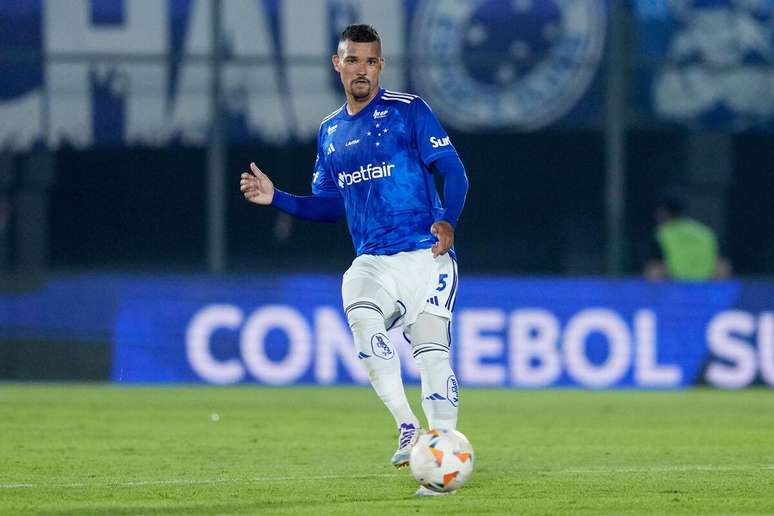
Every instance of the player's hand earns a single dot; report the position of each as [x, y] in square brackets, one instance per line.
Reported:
[444, 232]
[256, 186]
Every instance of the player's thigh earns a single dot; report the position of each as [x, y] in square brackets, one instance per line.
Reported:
[364, 284]
[443, 295]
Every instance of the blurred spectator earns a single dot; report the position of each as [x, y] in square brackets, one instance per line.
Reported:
[683, 248]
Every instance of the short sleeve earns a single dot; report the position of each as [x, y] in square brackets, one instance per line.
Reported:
[322, 181]
[430, 137]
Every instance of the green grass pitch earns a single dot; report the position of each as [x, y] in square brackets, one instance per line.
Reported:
[98, 449]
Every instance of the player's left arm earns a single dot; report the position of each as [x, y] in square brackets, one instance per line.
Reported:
[440, 156]
[455, 189]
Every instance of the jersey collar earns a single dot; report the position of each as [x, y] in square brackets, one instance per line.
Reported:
[374, 101]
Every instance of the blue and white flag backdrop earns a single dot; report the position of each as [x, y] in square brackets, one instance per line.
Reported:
[86, 73]
[507, 332]
[707, 63]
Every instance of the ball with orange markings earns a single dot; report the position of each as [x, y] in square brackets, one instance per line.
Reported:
[442, 460]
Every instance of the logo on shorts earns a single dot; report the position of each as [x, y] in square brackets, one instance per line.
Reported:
[380, 344]
[452, 391]
[547, 52]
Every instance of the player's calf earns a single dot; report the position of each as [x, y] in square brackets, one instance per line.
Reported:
[440, 390]
[380, 359]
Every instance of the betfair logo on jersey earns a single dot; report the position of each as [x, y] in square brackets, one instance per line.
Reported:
[439, 142]
[366, 173]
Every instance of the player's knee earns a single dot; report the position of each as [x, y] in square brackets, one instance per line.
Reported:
[430, 341]
[430, 356]
[365, 292]
[430, 328]
[371, 339]
[363, 317]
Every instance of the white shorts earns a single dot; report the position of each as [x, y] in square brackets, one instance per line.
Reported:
[414, 280]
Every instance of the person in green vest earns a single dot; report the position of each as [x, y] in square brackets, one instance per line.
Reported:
[684, 248]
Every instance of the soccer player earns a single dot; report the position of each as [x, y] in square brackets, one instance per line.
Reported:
[376, 156]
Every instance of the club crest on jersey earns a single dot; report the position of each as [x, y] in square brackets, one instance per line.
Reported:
[549, 52]
[380, 114]
[365, 173]
[380, 344]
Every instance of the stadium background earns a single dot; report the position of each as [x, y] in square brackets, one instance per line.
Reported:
[123, 130]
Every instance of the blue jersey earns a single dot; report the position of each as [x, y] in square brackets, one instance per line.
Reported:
[378, 161]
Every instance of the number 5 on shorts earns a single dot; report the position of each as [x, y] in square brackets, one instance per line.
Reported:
[442, 282]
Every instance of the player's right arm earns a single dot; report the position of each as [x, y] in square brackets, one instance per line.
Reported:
[259, 189]
[325, 205]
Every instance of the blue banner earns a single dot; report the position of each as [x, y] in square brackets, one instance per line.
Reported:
[707, 63]
[87, 73]
[507, 332]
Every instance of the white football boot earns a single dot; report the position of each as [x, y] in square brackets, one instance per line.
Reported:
[407, 438]
[424, 491]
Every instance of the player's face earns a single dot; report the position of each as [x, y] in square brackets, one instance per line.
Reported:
[359, 66]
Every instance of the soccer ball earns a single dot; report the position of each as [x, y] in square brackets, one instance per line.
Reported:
[442, 460]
